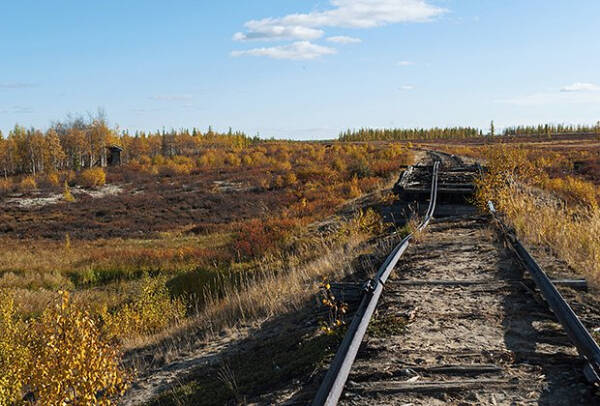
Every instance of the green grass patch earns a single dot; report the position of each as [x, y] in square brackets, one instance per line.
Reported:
[387, 326]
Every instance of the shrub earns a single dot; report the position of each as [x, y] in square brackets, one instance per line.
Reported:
[28, 184]
[257, 237]
[61, 358]
[151, 311]
[247, 160]
[232, 160]
[278, 182]
[53, 179]
[574, 190]
[67, 195]
[360, 168]
[352, 189]
[369, 184]
[70, 177]
[71, 362]
[290, 179]
[13, 354]
[5, 186]
[363, 222]
[92, 178]
[172, 168]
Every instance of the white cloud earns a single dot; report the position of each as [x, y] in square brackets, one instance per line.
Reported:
[342, 39]
[278, 32]
[345, 13]
[171, 97]
[405, 63]
[407, 87]
[581, 87]
[297, 51]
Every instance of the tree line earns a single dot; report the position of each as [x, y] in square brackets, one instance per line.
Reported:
[552, 129]
[400, 134]
[82, 143]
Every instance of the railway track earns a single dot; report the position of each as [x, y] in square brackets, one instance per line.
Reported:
[458, 321]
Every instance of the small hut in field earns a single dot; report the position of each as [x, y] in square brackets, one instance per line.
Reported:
[114, 155]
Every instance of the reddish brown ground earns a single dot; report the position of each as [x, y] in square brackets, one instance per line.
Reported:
[148, 204]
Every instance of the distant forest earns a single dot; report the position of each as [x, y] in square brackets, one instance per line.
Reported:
[399, 134]
[549, 129]
[82, 143]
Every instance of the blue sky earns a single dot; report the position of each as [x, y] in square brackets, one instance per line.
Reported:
[300, 69]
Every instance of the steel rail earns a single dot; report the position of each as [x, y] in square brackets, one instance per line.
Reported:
[333, 384]
[586, 346]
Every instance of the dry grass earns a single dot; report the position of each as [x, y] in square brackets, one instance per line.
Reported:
[561, 214]
[269, 291]
[571, 232]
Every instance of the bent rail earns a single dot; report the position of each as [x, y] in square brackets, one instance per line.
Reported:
[333, 384]
[578, 334]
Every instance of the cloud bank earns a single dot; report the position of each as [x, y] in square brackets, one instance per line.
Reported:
[306, 27]
[342, 39]
[300, 50]
[581, 87]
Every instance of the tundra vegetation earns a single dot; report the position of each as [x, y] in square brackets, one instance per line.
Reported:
[549, 192]
[200, 231]
[195, 230]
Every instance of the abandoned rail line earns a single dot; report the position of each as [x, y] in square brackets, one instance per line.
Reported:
[458, 320]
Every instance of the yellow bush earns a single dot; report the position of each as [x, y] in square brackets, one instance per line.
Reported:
[505, 166]
[92, 178]
[233, 160]
[574, 190]
[71, 363]
[352, 188]
[5, 185]
[28, 184]
[172, 168]
[290, 178]
[278, 182]
[151, 311]
[53, 179]
[247, 160]
[13, 354]
[363, 222]
[67, 195]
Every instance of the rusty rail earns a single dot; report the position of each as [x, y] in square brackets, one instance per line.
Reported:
[586, 346]
[333, 384]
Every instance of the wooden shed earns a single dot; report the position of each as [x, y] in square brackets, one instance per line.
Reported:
[114, 155]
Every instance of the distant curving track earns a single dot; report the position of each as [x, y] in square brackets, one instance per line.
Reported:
[459, 321]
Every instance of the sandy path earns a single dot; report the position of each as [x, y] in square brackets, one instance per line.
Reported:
[484, 342]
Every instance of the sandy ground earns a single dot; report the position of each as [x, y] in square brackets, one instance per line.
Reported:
[55, 198]
[485, 343]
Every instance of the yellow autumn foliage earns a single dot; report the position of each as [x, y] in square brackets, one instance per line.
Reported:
[561, 214]
[92, 178]
[152, 310]
[13, 353]
[28, 184]
[60, 359]
[70, 361]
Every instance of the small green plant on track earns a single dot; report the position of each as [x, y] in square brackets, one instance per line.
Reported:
[386, 326]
